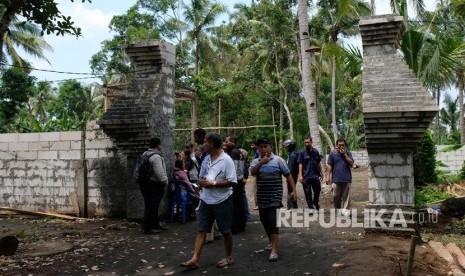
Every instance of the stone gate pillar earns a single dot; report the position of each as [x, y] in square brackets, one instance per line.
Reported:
[397, 111]
[145, 110]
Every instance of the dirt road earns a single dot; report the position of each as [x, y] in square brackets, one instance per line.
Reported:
[116, 247]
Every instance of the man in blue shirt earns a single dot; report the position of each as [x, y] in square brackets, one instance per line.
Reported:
[310, 173]
[338, 172]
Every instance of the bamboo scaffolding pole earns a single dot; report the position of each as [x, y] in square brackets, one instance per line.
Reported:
[234, 127]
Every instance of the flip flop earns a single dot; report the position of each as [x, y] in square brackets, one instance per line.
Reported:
[225, 262]
[273, 257]
[190, 265]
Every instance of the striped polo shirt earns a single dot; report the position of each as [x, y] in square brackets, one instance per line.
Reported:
[270, 182]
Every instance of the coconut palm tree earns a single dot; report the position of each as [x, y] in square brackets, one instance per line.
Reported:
[27, 37]
[268, 40]
[201, 15]
[449, 113]
[309, 93]
[435, 51]
[37, 104]
[342, 18]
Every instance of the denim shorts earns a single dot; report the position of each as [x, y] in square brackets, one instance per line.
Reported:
[221, 212]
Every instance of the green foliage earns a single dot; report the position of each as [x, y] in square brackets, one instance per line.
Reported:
[130, 27]
[68, 99]
[452, 148]
[25, 36]
[462, 172]
[44, 13]
[425, 162]
[15, 88]
[21, 234]
[429, 194]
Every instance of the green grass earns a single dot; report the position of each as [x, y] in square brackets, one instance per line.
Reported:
[429, 194]
[458, 239]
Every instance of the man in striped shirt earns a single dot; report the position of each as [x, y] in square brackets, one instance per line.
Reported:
[269, 169]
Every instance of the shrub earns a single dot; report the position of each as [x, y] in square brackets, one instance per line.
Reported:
[425, 162]
[429, 194]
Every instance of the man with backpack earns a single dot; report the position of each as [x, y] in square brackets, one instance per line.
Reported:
[150, 174]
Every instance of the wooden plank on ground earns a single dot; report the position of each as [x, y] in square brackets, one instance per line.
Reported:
[40, 214]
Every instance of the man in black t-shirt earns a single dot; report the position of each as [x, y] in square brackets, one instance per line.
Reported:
[310, 173]
[290, 146]
[239, 217]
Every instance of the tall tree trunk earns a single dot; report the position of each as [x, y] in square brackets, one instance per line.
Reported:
[283, 102]
[281, 124]
[309, 94]
[460, 82]
[195, 100]
[333, 98]
[195, 105]
[438, 116]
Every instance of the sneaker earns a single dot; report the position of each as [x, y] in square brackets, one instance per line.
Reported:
[268, 247]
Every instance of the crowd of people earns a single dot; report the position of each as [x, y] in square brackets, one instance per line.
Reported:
[212, 174]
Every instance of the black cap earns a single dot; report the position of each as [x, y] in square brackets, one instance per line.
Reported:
[262, 141]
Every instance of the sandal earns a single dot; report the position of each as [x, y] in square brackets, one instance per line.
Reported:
[225, 262]
[273, 257]
[268, 247]
[190, 264]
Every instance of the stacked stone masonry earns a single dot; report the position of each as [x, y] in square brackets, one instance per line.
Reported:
[397, 111]
[145, 110]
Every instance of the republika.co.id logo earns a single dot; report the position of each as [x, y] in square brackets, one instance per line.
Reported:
[343, 218]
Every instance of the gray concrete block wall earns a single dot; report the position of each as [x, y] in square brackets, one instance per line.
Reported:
[390, 179]
[360, 158]
[37, 185]
[452, 159]
[42, 172]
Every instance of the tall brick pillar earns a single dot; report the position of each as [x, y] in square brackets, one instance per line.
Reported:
[145, 110]
[397, 111]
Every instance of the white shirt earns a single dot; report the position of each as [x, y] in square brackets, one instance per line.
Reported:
[222, 168]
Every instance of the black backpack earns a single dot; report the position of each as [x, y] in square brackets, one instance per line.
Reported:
[143, 169]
